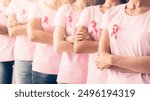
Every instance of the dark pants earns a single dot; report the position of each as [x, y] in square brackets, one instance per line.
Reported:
[23, 72]
[41, 78]
[6, 71]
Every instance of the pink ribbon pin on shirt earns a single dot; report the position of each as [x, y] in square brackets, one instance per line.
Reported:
[94, 25]
[115, 30]
[45, 20]
[70, 20]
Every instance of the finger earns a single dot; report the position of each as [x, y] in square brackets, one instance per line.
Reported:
[79, 33]
[98, 66]
[79, 39]
[105, 66]
[78, 36]
[98, 59]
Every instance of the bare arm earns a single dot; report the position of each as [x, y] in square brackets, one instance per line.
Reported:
[136, 64]
[3, 30]
[104, 43]
[37, 34]
[14, 27]
[104, 47]
[60, 44]
[84, 46]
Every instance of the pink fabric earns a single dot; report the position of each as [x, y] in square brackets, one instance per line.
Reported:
[6, 42]
[129, 36]
[46, 60]
[73, 67]
[24, 49]
[92, 18]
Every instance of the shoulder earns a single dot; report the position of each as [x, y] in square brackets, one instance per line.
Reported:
[37, 5]
[65, 6]
[115, 10]
[92, 8]
[14, 1]
[64, 9]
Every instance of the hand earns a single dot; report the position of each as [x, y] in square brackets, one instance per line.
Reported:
[14, 23]
[38, 25]
[81, 36]
[102, 66]
[70, 39]
[103, 61]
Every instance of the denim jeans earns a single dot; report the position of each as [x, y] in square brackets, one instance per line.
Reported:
[6, 71]
[23, 72]
[41, 78]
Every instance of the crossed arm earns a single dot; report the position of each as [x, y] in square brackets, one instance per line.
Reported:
[61, 43]
[36, 32]
[135, 64]
[84, 43]
[14, 27]
[3, 30]
[69, 43]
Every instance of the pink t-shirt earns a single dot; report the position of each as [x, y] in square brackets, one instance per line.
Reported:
[129, 36]
[46, 60]
[73, 67]
[92, 18]
[24, 49]
[6, 42]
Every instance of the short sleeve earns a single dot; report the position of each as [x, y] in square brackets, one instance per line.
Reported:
[83, 18]
[60, 17]
[11, 8]
[33, 13]
[104, 24]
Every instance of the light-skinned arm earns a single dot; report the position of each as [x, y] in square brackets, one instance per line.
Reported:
[36, 32]
[14, 27]
[59, 41]
[84, 42]
[3, 30]
[136, 64]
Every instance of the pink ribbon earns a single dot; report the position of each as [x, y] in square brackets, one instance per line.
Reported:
[115, 30]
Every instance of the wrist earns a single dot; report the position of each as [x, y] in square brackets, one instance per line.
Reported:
[114, 59]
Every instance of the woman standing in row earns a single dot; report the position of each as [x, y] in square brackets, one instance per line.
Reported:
[88, 24]
[46, 61]
[126, 35]
[6, 46]
[24, 49]
[73, 67]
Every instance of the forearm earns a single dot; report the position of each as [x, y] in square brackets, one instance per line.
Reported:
[86, 46]
[3, 30]
[41, 37]
[64, 46]
[136, 64]
[17, 30]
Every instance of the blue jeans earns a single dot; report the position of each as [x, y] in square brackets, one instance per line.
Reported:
[23, 72]
[6, 71]
[41, 78]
